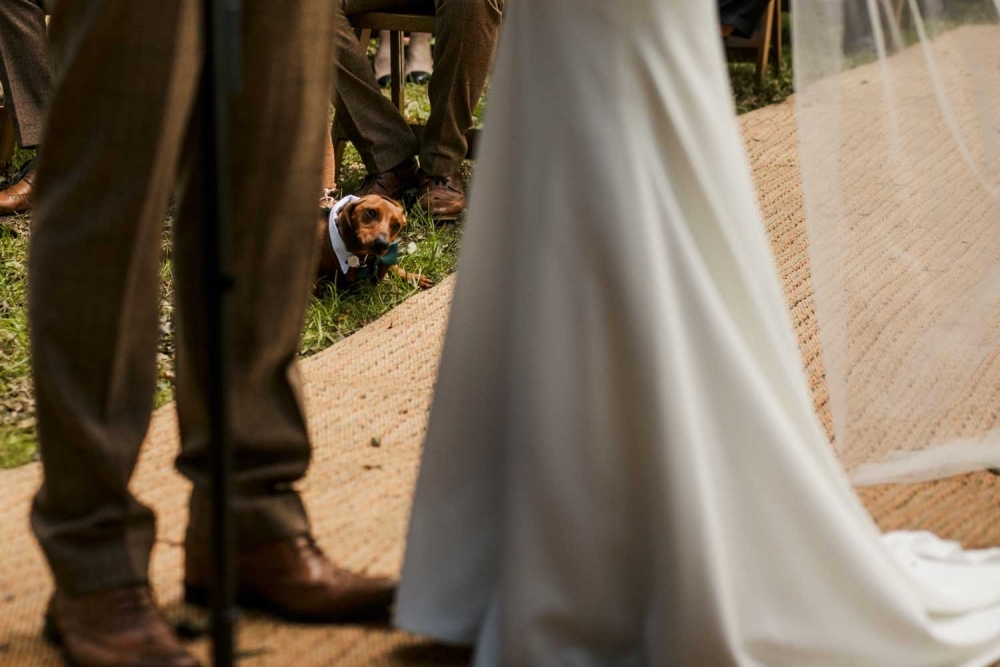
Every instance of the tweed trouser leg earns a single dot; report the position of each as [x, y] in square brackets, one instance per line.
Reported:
[94, 270]
[25, 67]
[465, 38]
[373, 123]
[466, 33]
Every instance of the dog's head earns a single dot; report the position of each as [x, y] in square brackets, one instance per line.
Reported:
[371, 224]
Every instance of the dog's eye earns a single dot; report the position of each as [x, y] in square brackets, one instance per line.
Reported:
[395, 226]
[371, 214]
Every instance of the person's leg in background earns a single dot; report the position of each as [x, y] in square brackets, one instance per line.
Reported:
[26, 74]
[374, 125]
[419, 60]
[466, 33]
[272, 259]
[383, 60]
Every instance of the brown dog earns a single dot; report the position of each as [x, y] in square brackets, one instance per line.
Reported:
[358, 241]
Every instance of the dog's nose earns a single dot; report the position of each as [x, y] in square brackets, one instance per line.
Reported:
[380, 245]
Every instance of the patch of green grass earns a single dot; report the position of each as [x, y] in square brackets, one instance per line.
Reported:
[165, 349]
[19, 159]
[750, 94]
[17, 404]
[17, 447]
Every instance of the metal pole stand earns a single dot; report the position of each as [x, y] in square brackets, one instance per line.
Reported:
[221, 77]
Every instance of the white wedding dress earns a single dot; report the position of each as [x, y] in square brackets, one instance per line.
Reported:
[623, 464]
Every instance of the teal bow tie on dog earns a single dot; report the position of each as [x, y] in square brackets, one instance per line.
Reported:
[369, 270]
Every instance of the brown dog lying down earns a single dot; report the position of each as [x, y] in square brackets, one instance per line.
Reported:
[358, 241]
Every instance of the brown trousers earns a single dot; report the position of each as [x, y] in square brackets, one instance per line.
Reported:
[25, 67]
[123, 127]
[465, 37]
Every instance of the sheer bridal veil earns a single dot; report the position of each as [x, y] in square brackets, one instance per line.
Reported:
[899, 126]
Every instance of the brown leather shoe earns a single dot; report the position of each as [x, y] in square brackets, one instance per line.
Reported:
[120, 627]
[393, 183]
[17, 197]
[295, 580]
[443, 197]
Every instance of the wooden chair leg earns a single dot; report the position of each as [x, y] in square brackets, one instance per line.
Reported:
[779, 47]
[396, 72]
[763, 51]
[330, 166]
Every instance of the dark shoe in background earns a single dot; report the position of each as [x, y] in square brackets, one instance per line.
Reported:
[442, 197]
[120, 627]
[293, 579]
[393, 183]
[16, 198]
[419, 58]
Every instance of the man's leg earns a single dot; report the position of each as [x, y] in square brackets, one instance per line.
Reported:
[272, 246]
[374, 125]
[25, 67]
[272, 250]
[94, 275]
[94, 290]
[26, 73]
[466, 33]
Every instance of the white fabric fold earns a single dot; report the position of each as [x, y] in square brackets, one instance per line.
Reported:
[623, 465]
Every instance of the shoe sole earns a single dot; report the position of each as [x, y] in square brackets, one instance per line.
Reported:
[51, 634]
[200, 596]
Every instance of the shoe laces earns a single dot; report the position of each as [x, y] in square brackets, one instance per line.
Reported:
[23, 172]
[26, 169]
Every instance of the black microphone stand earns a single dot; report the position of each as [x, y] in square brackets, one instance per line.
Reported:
[221, 76]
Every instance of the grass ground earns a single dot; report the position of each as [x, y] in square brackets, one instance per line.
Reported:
[332, 314]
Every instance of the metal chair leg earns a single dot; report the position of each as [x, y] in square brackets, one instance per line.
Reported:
[396, 73]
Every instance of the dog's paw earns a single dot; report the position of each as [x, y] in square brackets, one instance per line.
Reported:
[421, 281]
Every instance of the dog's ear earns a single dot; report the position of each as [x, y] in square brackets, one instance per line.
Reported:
[348, 225]
[347, 214]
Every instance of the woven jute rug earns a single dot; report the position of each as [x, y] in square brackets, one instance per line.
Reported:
[368, 398]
